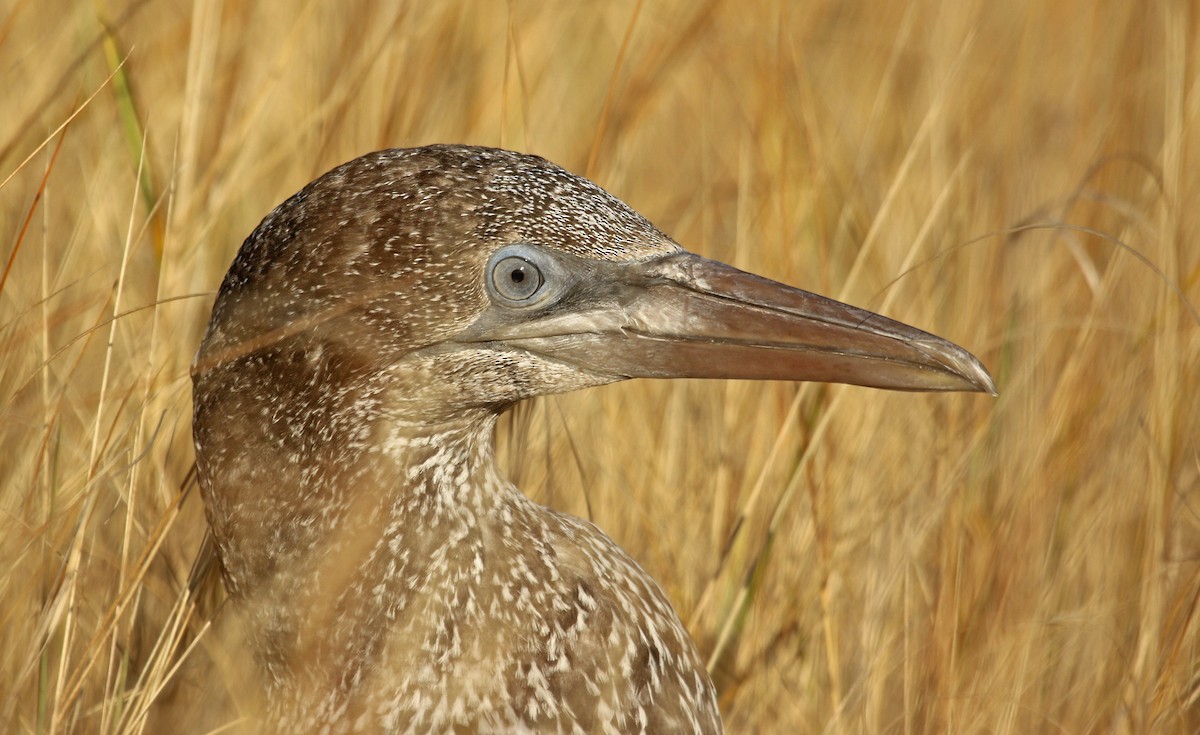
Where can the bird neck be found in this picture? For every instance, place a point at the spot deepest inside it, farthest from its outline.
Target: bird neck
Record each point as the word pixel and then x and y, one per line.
pixel 405 509
pixel 441 470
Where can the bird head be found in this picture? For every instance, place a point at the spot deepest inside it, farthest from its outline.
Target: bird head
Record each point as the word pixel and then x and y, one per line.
pixel 456 277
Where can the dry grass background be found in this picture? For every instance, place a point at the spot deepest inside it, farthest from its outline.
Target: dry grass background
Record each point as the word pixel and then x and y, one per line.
pixel 1021 177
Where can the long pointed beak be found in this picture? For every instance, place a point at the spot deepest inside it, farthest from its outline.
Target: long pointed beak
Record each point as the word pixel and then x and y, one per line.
pixel 683 316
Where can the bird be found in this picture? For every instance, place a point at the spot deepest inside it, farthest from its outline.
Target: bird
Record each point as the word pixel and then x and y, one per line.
pixel 363 343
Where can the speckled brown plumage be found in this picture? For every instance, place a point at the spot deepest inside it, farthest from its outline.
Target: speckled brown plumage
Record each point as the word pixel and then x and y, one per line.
pixel 346 392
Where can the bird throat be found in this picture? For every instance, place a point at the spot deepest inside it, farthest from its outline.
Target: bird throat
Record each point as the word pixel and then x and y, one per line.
pixel 371 546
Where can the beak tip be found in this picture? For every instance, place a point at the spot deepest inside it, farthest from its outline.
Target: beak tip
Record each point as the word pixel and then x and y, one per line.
pixel 989 386
pixel 960 370
pixel 974 373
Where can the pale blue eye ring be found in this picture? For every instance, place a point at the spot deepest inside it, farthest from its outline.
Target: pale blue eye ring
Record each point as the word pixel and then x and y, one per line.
pixel 515 279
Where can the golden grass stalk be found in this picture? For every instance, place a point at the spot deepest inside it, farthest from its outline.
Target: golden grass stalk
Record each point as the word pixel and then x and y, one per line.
pixel 1020 178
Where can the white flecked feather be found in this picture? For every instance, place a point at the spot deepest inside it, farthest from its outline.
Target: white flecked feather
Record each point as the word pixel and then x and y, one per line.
pixel 391 580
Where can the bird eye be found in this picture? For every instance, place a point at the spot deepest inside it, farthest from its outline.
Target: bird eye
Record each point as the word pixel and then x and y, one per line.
pixel 516 279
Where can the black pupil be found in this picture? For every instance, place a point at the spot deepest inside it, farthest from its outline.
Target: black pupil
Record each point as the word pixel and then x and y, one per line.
pixel 518 275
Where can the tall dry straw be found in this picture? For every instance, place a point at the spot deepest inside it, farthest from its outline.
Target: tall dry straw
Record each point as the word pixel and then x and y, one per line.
pixel 1019 177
